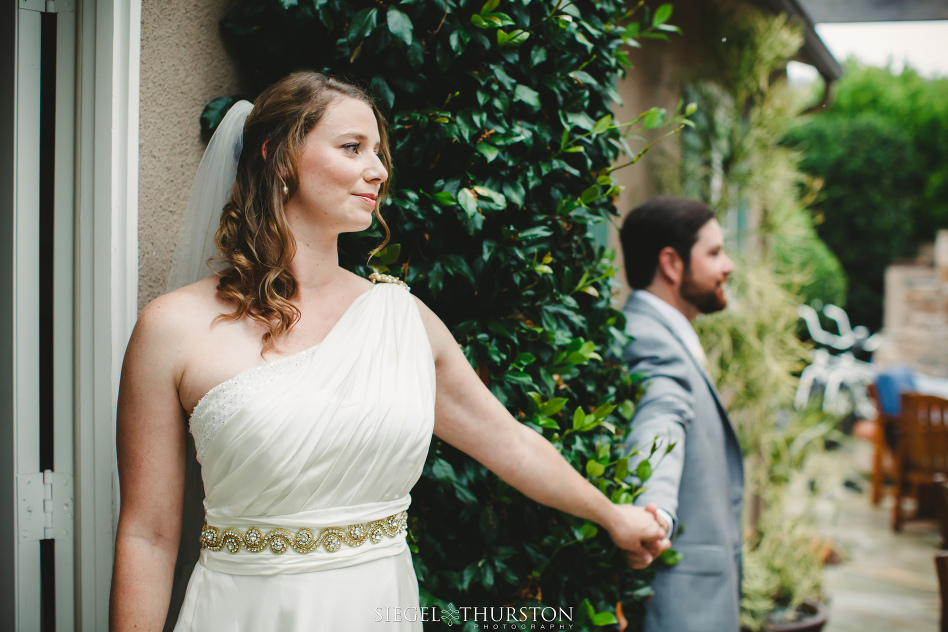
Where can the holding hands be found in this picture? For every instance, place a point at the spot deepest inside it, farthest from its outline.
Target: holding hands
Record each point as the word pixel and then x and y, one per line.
pixel 639 532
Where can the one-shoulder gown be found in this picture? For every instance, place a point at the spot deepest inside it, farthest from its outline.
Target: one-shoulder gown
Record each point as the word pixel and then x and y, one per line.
pixel 334 436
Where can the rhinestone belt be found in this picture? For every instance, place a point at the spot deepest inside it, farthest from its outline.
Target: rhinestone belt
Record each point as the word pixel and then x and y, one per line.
pixel 279 541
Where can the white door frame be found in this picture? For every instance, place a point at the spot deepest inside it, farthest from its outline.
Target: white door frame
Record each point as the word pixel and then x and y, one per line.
pixel 107 278
pixel 96 267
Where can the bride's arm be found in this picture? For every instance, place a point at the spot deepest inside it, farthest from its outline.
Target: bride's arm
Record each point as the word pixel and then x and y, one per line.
pixel 470 418
pixel 150 441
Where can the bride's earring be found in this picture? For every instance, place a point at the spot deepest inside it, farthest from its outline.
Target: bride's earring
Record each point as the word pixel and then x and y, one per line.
pixel 286 189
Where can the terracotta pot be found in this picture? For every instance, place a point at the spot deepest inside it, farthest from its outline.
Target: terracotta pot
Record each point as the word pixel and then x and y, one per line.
pixel 811 618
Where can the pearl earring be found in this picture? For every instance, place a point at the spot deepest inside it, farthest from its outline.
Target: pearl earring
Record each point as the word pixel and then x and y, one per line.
pixel 286 189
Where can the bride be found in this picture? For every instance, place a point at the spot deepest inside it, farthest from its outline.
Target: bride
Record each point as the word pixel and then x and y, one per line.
pixel 311 394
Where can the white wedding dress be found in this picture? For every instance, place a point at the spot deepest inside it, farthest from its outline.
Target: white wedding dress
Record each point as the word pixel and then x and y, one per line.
pixel 334 436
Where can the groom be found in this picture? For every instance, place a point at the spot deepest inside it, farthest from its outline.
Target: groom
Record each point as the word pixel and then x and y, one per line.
pixel 675 262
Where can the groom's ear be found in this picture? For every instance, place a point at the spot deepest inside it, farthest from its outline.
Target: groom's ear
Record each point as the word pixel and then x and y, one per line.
pixel 670 267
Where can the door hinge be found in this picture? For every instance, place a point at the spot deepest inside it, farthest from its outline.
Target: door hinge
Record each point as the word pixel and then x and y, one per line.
pixel 44 506
pixel 60 6
pixel 49 6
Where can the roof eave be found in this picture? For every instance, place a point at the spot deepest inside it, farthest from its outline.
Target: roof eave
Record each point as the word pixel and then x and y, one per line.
pixel 814 51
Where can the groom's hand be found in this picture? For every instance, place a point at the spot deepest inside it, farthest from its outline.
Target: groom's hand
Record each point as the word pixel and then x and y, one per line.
pixel 639 533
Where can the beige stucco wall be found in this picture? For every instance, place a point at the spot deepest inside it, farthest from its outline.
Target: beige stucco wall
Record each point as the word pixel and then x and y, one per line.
pixel 183 66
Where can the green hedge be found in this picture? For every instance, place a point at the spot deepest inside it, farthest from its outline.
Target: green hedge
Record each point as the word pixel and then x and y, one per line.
pixel 502 146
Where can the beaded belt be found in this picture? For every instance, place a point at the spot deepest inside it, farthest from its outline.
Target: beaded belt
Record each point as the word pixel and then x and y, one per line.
pixel 304 540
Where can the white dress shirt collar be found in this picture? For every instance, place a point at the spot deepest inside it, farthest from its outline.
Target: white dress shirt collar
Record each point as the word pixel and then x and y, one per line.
pixel 678 323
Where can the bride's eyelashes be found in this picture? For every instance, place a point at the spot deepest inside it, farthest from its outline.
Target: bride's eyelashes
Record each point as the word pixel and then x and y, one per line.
pixel 355 148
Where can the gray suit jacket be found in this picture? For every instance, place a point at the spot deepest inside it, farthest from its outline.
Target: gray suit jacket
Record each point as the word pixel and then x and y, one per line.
pixel 699 483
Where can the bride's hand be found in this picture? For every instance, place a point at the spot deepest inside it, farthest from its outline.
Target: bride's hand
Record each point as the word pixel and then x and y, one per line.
pixel 640 533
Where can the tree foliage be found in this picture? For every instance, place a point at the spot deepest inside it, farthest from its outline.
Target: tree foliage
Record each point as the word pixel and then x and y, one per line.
pixel 864 208
pixel 503 145
pixel 881 149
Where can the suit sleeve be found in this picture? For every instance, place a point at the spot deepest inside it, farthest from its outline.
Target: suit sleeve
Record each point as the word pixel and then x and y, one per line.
pixel 664 414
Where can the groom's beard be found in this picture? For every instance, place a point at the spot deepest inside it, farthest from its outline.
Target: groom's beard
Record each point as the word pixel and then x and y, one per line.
pixel 706 300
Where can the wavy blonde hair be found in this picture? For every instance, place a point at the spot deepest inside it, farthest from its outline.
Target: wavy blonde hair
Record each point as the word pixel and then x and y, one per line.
pixel 254 238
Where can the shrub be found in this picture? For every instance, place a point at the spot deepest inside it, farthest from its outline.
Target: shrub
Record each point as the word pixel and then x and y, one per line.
pixel 503 143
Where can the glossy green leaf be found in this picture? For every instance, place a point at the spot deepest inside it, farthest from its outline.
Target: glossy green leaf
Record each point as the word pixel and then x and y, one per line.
pixel 488 150
pixel 644 470
pixel 400 25
pixel 604 411
pixel 446 198
pixel 468 201
pixel 590 194
pixel 527 95
pixel 538 232
pixel 215 111
pixel 487 576
pixel 443 471
pixel 389 254
pixel 513 38
pixel 594 468
pixel 654 118
pixel 382 91
pixel 662 14
pixel 553 406
pixel 602 125
pixel 547 422
pixel 583 77
pixel 498 19
pixel 489 6
pixel 362 24
pixel 496 198
pixel 604 618
pixel 670 557
pixel 538 55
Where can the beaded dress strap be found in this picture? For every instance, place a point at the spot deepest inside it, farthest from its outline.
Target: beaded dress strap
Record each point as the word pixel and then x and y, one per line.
pixel 376 277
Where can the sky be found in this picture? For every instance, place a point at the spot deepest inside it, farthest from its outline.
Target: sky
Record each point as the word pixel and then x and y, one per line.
pixel 923 45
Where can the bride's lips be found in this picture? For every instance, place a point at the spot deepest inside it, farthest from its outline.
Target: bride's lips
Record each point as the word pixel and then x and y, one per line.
pixel 368 198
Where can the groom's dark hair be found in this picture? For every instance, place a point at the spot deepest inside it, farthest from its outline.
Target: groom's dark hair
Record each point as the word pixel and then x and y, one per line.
pixel 657 224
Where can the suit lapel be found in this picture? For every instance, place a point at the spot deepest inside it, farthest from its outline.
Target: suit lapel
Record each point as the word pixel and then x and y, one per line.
pixel 644 309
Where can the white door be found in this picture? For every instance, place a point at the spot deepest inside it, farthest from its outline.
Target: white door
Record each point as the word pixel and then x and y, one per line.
pixel 41 328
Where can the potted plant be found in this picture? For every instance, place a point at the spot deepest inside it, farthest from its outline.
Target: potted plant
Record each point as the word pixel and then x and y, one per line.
pixel 783 571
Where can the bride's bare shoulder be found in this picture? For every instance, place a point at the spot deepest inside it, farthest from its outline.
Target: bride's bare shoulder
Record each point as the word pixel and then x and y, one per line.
pixel 177 316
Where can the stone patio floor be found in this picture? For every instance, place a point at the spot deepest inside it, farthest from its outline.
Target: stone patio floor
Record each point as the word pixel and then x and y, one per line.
pixel 887 581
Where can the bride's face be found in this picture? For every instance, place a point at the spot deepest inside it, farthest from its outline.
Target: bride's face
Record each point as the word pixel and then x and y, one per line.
pixel 340 172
